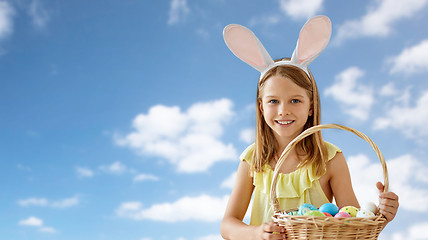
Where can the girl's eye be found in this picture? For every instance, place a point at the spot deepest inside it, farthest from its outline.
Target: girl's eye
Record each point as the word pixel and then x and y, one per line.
pixel 295 101
pixel 273 101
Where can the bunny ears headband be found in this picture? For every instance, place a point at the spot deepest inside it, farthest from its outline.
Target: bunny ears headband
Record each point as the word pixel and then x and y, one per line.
pixel 313 38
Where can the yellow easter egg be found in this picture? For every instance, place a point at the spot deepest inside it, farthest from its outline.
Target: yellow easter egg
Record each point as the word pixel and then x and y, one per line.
pixel 351 210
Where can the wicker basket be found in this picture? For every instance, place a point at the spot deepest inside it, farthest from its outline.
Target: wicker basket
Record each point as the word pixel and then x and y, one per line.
pixel 315 227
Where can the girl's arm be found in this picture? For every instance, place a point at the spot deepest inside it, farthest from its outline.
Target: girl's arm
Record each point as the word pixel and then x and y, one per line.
pixel 231 226
pixel 340 182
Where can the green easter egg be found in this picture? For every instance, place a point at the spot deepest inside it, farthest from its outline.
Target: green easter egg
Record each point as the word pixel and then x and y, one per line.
pixel 314 213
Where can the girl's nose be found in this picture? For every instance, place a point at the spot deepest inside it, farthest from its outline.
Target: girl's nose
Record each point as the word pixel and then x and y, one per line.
pixel 283 110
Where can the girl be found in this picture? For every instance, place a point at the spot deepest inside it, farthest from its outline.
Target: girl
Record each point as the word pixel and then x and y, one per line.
pixel 288 103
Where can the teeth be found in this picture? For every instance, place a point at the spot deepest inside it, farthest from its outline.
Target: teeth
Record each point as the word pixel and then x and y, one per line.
pixel 284 122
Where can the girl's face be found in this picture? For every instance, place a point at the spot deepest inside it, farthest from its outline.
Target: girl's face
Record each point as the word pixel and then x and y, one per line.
pixel 285 107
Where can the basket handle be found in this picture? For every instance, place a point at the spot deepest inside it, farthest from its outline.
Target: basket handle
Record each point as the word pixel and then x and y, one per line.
pixel 310 131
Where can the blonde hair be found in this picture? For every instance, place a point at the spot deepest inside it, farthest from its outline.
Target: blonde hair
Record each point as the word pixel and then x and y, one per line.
pixel 312 147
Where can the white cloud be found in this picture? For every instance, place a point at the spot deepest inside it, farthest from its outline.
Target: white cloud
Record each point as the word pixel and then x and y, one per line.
pixel 211 237
pixel 300 9
pixel 189 140
pixel 32 221
pixel 270 19
pixel 407 175
pixel 6 23
pixel 379 19
pixel 145 177
pixel 202 32
pixel 202 208
pixel 416 231
pixel 178 11
pixel 84 172
pixel 411 120
pixel 411 60
pixel 248 135
pixel 43 202
pixel 355 99
pixel 388 90
pixel 33 202
pixel 114 168
pixel 47 230
pixel 37 222
pixel 38 14
pixel 67 202
pixel 229 182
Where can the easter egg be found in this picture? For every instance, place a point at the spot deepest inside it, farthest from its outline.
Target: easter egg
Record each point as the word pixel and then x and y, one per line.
pixel 306 207
pixel 370 206
pixel 350 209
pixel 293 213
pixel 330 208
pixel 342 215
pixel 314 213
pixel 327 214
pixel 365 214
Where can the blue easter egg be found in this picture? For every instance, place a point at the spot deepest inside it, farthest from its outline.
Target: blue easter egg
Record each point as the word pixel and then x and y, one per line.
pixel 329 208
pixel 306 207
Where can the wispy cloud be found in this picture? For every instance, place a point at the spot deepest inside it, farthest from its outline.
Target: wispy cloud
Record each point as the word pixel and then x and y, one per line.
pixel 300 9
pixel 410 120
pixel 83 172
pixel 43 202
pixel 116 168
pixel 355 98
pixel 270 19
pixel 388 90
pixel 407 177
pixel 417 231
pixel 210 237
pixel 248 135
pixel 178 11
pixel 37 222
pixel 31 221
pixel 190 140
pixel 39 14
pixel 145 177
pixel 6 19
pixel 411 60
pixel 229 182
pixel 378 20
pixel 202 32
pixel 202 208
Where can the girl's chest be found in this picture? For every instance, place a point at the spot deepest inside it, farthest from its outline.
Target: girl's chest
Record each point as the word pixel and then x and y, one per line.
pixel 288 166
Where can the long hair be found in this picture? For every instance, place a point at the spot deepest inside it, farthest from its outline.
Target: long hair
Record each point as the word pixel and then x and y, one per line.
pixel 312 147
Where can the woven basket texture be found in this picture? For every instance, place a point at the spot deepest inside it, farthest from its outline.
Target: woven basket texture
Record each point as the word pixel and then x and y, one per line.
pixel 316 227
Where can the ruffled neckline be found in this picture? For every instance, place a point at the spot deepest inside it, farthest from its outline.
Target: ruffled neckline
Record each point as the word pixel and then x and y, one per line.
pixel 289 185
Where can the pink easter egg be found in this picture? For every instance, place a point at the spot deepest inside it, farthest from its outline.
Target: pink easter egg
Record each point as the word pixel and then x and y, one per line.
pixel 343 215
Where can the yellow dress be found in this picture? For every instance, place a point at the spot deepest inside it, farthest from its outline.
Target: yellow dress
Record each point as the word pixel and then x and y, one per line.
pixel 293 189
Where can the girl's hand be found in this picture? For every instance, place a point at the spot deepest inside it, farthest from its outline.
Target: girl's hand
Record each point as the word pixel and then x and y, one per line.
pixel 270 230
pixel 388 202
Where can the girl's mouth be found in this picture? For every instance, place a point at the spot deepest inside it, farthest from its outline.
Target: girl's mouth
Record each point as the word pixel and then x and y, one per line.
pixel 284 122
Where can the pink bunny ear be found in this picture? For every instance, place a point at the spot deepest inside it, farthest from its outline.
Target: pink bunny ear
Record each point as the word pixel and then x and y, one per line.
pixel 245 45
pixel 313 38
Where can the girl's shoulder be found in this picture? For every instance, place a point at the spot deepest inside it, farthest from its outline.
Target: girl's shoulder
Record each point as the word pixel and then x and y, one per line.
pixel 332 150
pixel 247 154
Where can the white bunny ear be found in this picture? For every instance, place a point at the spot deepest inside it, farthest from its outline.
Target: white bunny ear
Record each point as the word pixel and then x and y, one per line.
pixel 313 38
pixel 245 45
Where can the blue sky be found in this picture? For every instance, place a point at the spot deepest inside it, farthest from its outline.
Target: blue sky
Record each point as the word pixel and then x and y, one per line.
pixel 125 119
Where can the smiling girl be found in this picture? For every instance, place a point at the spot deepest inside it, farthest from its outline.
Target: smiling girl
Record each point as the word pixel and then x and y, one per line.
pixel 315 171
